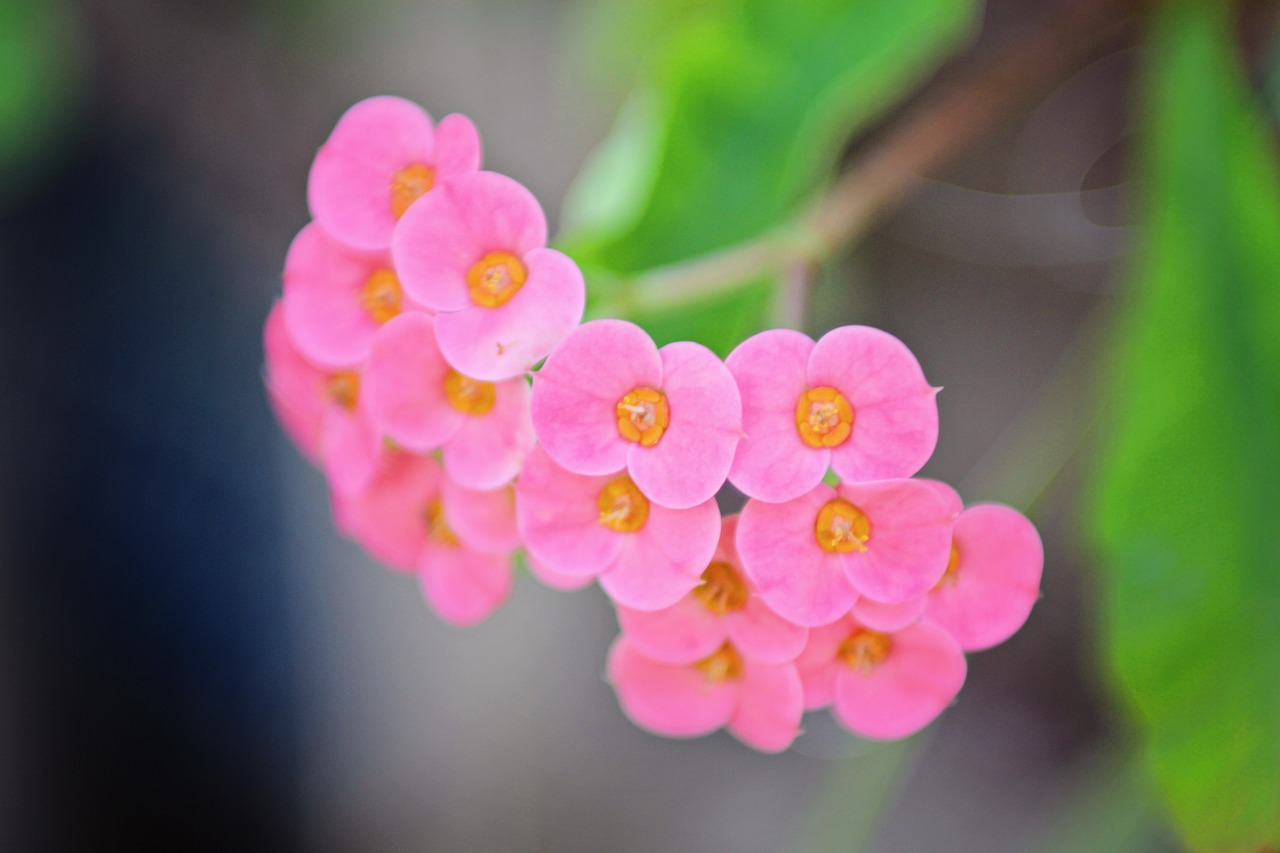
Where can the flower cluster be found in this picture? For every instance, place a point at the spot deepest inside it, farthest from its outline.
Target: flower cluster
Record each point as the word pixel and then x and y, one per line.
pixel 402 358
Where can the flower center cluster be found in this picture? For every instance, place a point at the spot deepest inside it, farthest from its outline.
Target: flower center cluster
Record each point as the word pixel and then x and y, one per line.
pixel 495 278
pixel 824 417
pixel 643 415
pixel 724 664
pixel 841 527
pixel 864 650
pixel 467 395
pixel 722 589
pixel 952 574
pixel 623 507
pixel 343 388
pixel 381 295
pixel 409 184
pixel 437 528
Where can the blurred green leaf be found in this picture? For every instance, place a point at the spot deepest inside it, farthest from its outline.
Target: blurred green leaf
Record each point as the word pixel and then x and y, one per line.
pixel 1189 486
pixel 745 107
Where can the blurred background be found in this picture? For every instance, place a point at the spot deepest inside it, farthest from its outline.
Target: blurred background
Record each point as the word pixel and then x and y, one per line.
pixel 191 654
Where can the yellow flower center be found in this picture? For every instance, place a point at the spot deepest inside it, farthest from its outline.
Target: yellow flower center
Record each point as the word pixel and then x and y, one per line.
pixel 724 664
pixel 952 574
pixel 380 295
pixel 722 589
pixel 841 527
pixel 467 395
pixel 643 415
pixel 408 185
pixel 864 650
pixel 343 388
pixel 495 278
pixel 824 417
pixel 623 507
pixel 437 528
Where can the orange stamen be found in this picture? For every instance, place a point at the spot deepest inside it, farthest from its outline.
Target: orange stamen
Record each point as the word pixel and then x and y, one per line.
pixel 467 395
pixel 437 528
pixel 864 650
pixel 495 278
pixel 623 507
pixel 343 388
pixel 824 417
pixel 841 527
pixel 724 664
pixel 408 185
pixel 381 295
pixel 722 589
pixel 643 416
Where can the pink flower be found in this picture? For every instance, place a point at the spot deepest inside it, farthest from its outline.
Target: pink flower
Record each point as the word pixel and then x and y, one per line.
pixel 608 398
pixel 335 299
pixel 549 577
pixel 761 704
pixel 323 411
pixel 474 251
pixel 882 685
pixel 406 518
pixel 723 608
pixel 992 579
pixel 421 403
pixel 383 155
pixel 855 401
pixel 646 556
pixel 811 557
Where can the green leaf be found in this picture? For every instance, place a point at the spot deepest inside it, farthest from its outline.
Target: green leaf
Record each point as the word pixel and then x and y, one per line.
pixel 745 108
pixel 1189 485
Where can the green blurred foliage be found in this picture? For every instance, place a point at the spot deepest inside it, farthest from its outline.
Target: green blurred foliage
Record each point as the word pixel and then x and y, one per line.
pixel 1189 485
pixel 741 111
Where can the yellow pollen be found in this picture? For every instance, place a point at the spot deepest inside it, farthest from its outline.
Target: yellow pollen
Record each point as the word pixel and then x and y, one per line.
pixel 824 417
pixel 724 664
pixel 643 415
pixel 722 589
pixel 380 295
pixel 841 527
pixel 408 185
pixel 952 574
pixel 623 507
pixel 495 278
pixel 437 528
pixel 467 395
pixel 343 388
pixel 864 650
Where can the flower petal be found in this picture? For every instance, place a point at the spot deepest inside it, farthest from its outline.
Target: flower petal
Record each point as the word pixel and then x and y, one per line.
pixel 488 450
pixel 403 385
pixel 461 585
pixel 676 701
pixel 910 539
pixel 559 518
pixel 770 705
pixel 685 632
pixel 485 520
pixel 662 561
pixel 458 148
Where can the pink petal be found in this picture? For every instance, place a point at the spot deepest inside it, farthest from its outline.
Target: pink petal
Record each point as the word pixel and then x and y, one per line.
pixel 488 450
pixel 457 146
pixel 690 462
pixel 889 617
pixel 559 518
pixel 450 229
pixel 763 635
pixel 904 693
pixel 351 447
pixel 550 577
pixel 462 585
pixel 294 386
pixel 895 411
pixel 499 343
pixel 949 496
pixel 388 518
pixel 910 539
pixel 349 189
pixel 685 632
pixel 770 705
pixel 793 575
pixel 997 580
pixel 662 561
pixel 817 664
pixel 576 393
pixel 772 463
pixel 485 521
pixel 403 385
pixel 676 701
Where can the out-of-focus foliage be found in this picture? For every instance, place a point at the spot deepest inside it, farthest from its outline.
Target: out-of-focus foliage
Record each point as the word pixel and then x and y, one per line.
pixel 38 75
pixel 1189 487
pixel 742 109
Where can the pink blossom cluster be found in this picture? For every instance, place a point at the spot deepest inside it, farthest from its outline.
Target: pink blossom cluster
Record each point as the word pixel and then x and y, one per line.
pixel 404 359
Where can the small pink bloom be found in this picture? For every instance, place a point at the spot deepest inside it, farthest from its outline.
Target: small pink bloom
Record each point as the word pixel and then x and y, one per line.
pixel 723 608
pixel 811 557
pixel 646 556
pixel 760 704
pixel 323 411
pixel 608 398
pixel 383 155
pixel 855 401
pixel 335 299
pixel 882 685
pixel 992 580
pixel 421 403
pixel 474 251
